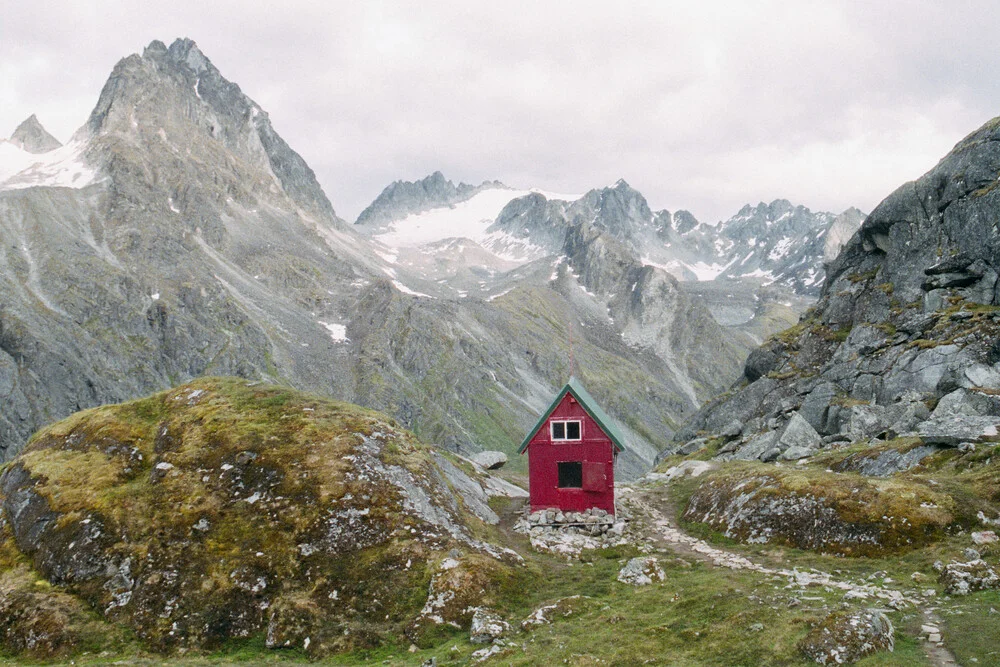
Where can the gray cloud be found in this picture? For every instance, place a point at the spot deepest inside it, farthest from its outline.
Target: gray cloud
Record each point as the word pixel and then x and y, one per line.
pixel 829 104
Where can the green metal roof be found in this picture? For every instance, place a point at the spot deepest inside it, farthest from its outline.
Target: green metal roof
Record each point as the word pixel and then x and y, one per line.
pixel 589 404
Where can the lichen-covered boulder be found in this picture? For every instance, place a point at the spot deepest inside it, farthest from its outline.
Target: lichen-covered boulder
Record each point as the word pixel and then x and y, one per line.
pixel 223 509
pixel 487 626
pixel 846 637
pixel 460 585
pixel 641 571
pixel 826 512
pixel 964 578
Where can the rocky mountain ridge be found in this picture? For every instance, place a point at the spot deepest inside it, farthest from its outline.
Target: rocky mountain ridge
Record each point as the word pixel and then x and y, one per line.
pixel 176 235
pixel 902 342
pixel 402 198
pixel 774 244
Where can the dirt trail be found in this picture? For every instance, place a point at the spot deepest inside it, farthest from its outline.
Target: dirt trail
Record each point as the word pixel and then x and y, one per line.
pixel 654 504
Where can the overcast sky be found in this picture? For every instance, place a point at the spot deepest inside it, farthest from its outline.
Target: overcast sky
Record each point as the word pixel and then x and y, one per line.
pixel 703 106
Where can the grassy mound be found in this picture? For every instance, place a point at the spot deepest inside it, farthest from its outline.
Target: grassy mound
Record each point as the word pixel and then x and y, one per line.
pixel 222 509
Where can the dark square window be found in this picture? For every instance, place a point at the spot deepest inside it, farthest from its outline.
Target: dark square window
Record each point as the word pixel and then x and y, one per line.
pixel 570 475
pixel 565 430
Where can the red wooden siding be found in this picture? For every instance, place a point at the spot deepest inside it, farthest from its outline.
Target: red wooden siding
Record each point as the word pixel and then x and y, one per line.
pixel 595 450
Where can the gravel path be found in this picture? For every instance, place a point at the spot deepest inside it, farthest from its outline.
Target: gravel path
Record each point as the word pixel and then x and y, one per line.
pixel 649 500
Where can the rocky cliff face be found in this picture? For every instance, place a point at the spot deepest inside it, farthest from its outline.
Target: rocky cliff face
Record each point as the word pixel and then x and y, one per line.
pixel 903 338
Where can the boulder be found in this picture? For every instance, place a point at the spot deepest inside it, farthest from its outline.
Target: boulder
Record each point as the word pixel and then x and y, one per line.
pixel 763 360
pixel 799 434
pixel 732 430
pixel 490 460
pixel 956 429
pixel 958 402
pixel 964 578
pixel 885 463
pixel 980 375
pixel 907 418
pixel 795 453
pixel 924 371
pixel 866 421
pixel 846 637
pixel 487 626
pixel 984 537
pixel 771 455
pixel 816 405
pixel 753 449
pixel 691 446
pixel 641 571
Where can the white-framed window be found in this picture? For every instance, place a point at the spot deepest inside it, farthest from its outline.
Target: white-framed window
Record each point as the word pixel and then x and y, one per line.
pixel 569 429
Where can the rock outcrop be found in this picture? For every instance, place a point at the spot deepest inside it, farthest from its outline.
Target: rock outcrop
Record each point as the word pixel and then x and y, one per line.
pixel 845 637
pixel 821 511
pixel 225 509
pixel 908 316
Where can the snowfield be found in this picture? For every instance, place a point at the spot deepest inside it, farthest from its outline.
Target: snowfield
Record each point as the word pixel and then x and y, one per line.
pixel 469 219
pixel 61 168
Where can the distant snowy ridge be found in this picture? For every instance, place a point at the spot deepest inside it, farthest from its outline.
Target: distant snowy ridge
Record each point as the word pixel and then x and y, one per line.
pixel 778 243
pixel 469 219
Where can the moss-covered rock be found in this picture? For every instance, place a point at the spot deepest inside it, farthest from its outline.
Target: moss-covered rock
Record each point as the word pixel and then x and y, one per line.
pixel 222 509
pixel 42 623
pixel 809 509
pixel 846 637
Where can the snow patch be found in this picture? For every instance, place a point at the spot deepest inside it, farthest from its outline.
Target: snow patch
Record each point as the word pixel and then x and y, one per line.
pixel 497 296
pixel 338 332
pixel 780 249
pixel 406 290
pixel 702 270
pixel 465 220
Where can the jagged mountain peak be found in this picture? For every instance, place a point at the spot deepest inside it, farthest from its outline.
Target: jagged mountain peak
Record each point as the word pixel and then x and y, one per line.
pixel 402 198
pixel 32 137
pixel 620 198
pixel 174 99
pixel 683 221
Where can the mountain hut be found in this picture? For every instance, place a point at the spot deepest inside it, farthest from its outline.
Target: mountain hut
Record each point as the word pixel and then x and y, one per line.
pixel 571 454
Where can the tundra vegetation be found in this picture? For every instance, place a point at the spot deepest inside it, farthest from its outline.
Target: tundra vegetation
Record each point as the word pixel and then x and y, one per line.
pixel 229 553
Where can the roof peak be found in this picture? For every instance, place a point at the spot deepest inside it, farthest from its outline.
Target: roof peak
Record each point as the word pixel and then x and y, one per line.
pixel 575 387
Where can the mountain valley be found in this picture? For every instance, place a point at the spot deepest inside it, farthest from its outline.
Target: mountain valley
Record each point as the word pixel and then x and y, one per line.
pixel 235 427
pixel 177 235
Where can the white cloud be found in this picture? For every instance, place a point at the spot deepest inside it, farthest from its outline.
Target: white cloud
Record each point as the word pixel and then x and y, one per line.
pixel 828 104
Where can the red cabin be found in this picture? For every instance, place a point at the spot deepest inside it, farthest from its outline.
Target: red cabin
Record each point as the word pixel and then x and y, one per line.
pixel 571 454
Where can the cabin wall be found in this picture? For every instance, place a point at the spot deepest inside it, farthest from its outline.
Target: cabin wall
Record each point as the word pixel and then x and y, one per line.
pixel 544 455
